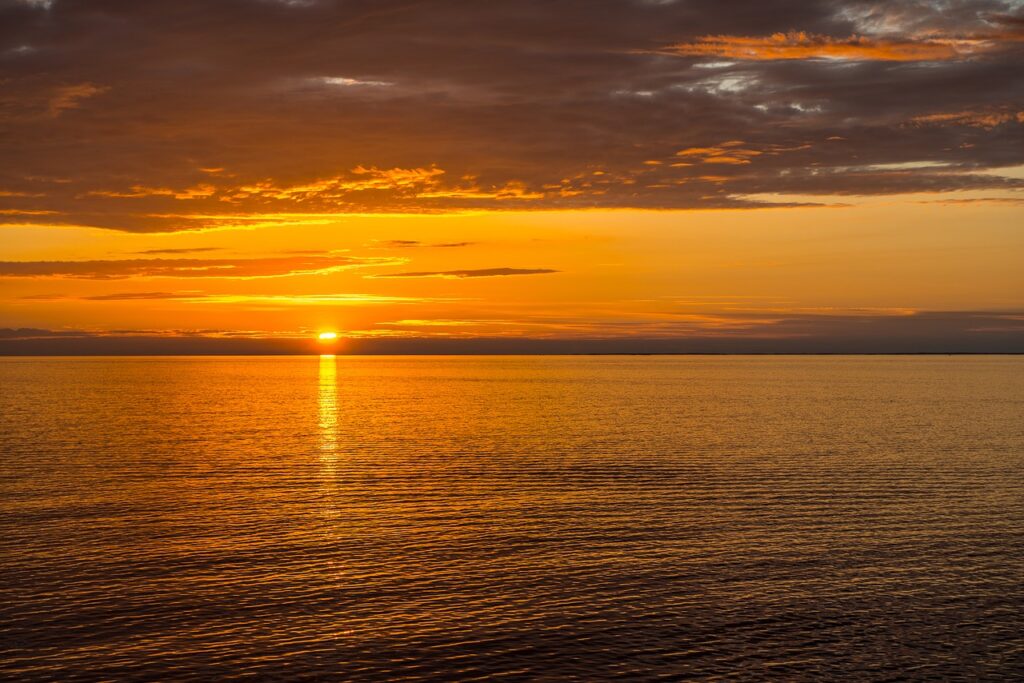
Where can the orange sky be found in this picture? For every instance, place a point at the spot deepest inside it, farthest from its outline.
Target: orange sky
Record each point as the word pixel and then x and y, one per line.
pixel 598 273
pixel 715 183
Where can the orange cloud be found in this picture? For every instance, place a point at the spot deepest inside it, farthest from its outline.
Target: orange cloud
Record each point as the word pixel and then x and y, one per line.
pixel 422 183
pixel 197 192
pixel 194 297
pixel 69 97
pixel 802 45
pixel 187 267
pixel 726 160
pixel 986 119
pixel 360 179
pixel 408 244
pixel 726 153
pixel 510 190
pixel 16 193
pixel 479 272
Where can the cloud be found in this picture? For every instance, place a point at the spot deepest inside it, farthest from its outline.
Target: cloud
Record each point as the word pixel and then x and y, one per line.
pixel 137 296
pixel 341 81
pixel 749 332
pixel 28 212
pixel 480 272
pixel 731 153
pixel 38 4
pixel 410 244
pixel 987 119
pixel 1010 201
pixel 439 322
pixel 443 107
pixel 185 268
pixel 281 300
pixel 180 250
pixel 392 184
pixel 199 191
pixel 71 96
pixel 13 193
pixel 359 179
pixel 802 45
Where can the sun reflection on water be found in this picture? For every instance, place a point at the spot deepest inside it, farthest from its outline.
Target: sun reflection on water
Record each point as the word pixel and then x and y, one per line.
pixel 328 406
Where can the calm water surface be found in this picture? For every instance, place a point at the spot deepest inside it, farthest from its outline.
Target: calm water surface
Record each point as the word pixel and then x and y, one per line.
pixel 565 518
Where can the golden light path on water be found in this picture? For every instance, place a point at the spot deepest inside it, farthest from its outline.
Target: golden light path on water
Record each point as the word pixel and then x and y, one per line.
pixel 327 404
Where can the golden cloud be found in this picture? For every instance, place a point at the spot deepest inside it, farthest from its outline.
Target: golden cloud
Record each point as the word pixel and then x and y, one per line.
pixel 245 268
pixel 987 119
pixel 70 97
pixel 803 45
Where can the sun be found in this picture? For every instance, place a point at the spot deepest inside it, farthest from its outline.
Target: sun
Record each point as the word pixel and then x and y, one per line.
pixel 327 336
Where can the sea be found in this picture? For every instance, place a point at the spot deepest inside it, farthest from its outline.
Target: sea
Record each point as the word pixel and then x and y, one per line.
pixel 558 518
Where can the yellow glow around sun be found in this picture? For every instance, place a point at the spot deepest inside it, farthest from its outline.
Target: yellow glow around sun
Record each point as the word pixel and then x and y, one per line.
pixel 327 336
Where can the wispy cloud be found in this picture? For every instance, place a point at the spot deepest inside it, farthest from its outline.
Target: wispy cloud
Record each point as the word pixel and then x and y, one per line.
pixel 186 268
pixel 985 118
pixel 803 45
pixel 331 299
pixel 343 82
pixel 136 191
pixel 71 96
pixel 180 250
pixel 461 274
pixel 411 244
pixel 137 296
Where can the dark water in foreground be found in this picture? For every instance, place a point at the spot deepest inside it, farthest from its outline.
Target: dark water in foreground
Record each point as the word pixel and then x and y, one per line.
pixel 518 518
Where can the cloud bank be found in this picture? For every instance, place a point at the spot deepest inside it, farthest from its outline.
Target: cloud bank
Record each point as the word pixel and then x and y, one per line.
pixel 921 332
pixel 444 106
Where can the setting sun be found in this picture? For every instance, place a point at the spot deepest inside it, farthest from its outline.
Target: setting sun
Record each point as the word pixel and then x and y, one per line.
pixel 327 336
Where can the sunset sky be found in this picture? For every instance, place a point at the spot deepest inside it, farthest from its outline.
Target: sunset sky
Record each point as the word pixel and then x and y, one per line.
pixel 637 175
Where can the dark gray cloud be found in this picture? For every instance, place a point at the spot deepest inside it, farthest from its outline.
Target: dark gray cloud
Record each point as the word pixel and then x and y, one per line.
pixel 154 116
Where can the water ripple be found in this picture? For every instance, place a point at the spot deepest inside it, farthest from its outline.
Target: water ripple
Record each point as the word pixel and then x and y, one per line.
pixel 497 518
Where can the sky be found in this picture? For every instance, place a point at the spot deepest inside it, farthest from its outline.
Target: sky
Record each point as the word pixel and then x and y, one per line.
pixel 511 176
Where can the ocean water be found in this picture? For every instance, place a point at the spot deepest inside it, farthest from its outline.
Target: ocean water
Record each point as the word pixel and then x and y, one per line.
pixel 512 518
